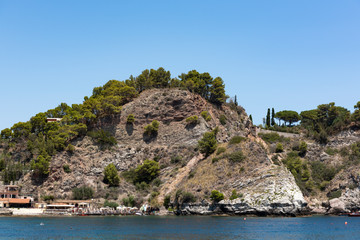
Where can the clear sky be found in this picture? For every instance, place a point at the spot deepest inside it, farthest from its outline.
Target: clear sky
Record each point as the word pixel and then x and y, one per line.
pixel 290 55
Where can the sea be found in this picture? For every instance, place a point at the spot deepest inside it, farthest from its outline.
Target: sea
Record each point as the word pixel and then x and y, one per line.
pixel 180 227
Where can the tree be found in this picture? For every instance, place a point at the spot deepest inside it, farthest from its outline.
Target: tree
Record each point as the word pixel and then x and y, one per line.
pixel 251 118
pixel 82 193
pixel 111 175
pixel 208 143
pixel 216 196
pixel 288 116
pixel 235 101
pixel 356 115
pixel 6 134
pixel 268 118
pixel 272 117
pixel 217 91
pixel 147 171
pixel 130 119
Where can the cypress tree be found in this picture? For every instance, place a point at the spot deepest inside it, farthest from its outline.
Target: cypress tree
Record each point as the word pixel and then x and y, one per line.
pixel 250 118
pixel 272 117
pixel 235 101
pixel 268 118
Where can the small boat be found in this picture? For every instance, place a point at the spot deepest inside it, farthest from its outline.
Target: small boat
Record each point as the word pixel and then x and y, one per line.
pixel 354 214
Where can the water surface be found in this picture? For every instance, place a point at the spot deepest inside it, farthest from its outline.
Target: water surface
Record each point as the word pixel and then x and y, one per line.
pixel 172 227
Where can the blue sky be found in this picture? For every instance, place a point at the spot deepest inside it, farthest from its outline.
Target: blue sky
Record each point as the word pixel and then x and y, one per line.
pixel 291 55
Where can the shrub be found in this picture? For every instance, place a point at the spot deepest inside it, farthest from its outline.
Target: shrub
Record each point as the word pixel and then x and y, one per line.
pixel 130 119
pixel 193 120
pixel 129 201
pixel 70 148
pixel 222 119
pixel 83 193
pixel 302 148
pixel 236 140
pixel 237 156
pixel 143 186
pixel 273 137
pixel 176 159
pixel 184 197
pixel 166 201
pixel 208 143
pixel 157 182
pixel 66 168
pixel 111 175
pixel 147 171
pixel 279 148
pixel 102 137
pixel 220 150
pixel 206 115
pixel 216 196
pixel 152 129
pixel 234 195
pixel 275 160
pixel 113 205
pixel 334 194
pixel 331 151
pixel 48 198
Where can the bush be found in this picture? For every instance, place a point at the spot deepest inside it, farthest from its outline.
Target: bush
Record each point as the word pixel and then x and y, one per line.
pixel 208 143
pixel 167 201
pixel 222 119
pixel 143 186
pixel 66 168
pixel 302 148
pixel 216 196
pixel 130 119
pixel 83 193
pixel 111 175
pixel 147 171
pixel 193 120
pixel 70 148
pixel 157 182
pixel 175 159
pixel 129 201
pixel 103 138
pixel 220 150
pixel 206 115
pixel 236 140
pixel 279 148
pixel 184 197
pixel 237 156
pixel 113 205
pixel 152 129
pixel 234 195
pixel 334 194
pixel 331 151
pixel 48 198
pixel 273 137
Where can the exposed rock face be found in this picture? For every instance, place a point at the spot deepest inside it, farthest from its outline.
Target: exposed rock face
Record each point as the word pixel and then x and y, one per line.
pixel 273 193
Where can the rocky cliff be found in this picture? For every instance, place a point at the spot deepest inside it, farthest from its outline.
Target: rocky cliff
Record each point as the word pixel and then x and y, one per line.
pixel 263 188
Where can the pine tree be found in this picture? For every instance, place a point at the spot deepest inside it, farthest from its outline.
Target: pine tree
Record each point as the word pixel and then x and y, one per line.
pixel 272 117
pixel 268 118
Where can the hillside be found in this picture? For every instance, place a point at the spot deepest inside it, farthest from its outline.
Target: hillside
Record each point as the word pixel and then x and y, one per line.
pixel 177 144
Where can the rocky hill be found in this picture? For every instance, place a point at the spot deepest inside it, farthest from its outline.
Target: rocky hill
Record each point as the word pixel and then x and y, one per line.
pixel 243 172
pixel 241 162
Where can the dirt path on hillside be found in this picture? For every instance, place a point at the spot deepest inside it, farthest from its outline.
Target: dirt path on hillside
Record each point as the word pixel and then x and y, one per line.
pixel 171 185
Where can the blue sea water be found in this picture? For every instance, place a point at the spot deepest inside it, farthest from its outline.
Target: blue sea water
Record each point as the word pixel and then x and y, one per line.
pixel 172 227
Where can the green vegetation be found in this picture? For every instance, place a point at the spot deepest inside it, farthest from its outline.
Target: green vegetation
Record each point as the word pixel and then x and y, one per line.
pixel 216 196
pixel 129 201
pixel 334 194
pixel 236 157
pixel 267 124
pixel 193 120
pixel 208 143
pixel 220 150
pixel 130 119
pixel 287 116
pixel 222 119
pixel 279 148
pixel 166 201
pixel 236 140
pixel 206 115
pixel 184 197
pixel 111 175
pixel 48 198
pixel 273 137
pixel 113 205
pixel 103 138
pixel 66 168
pixel 83 193
pixel 235 195
pixel 152 129
pixel 143 174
